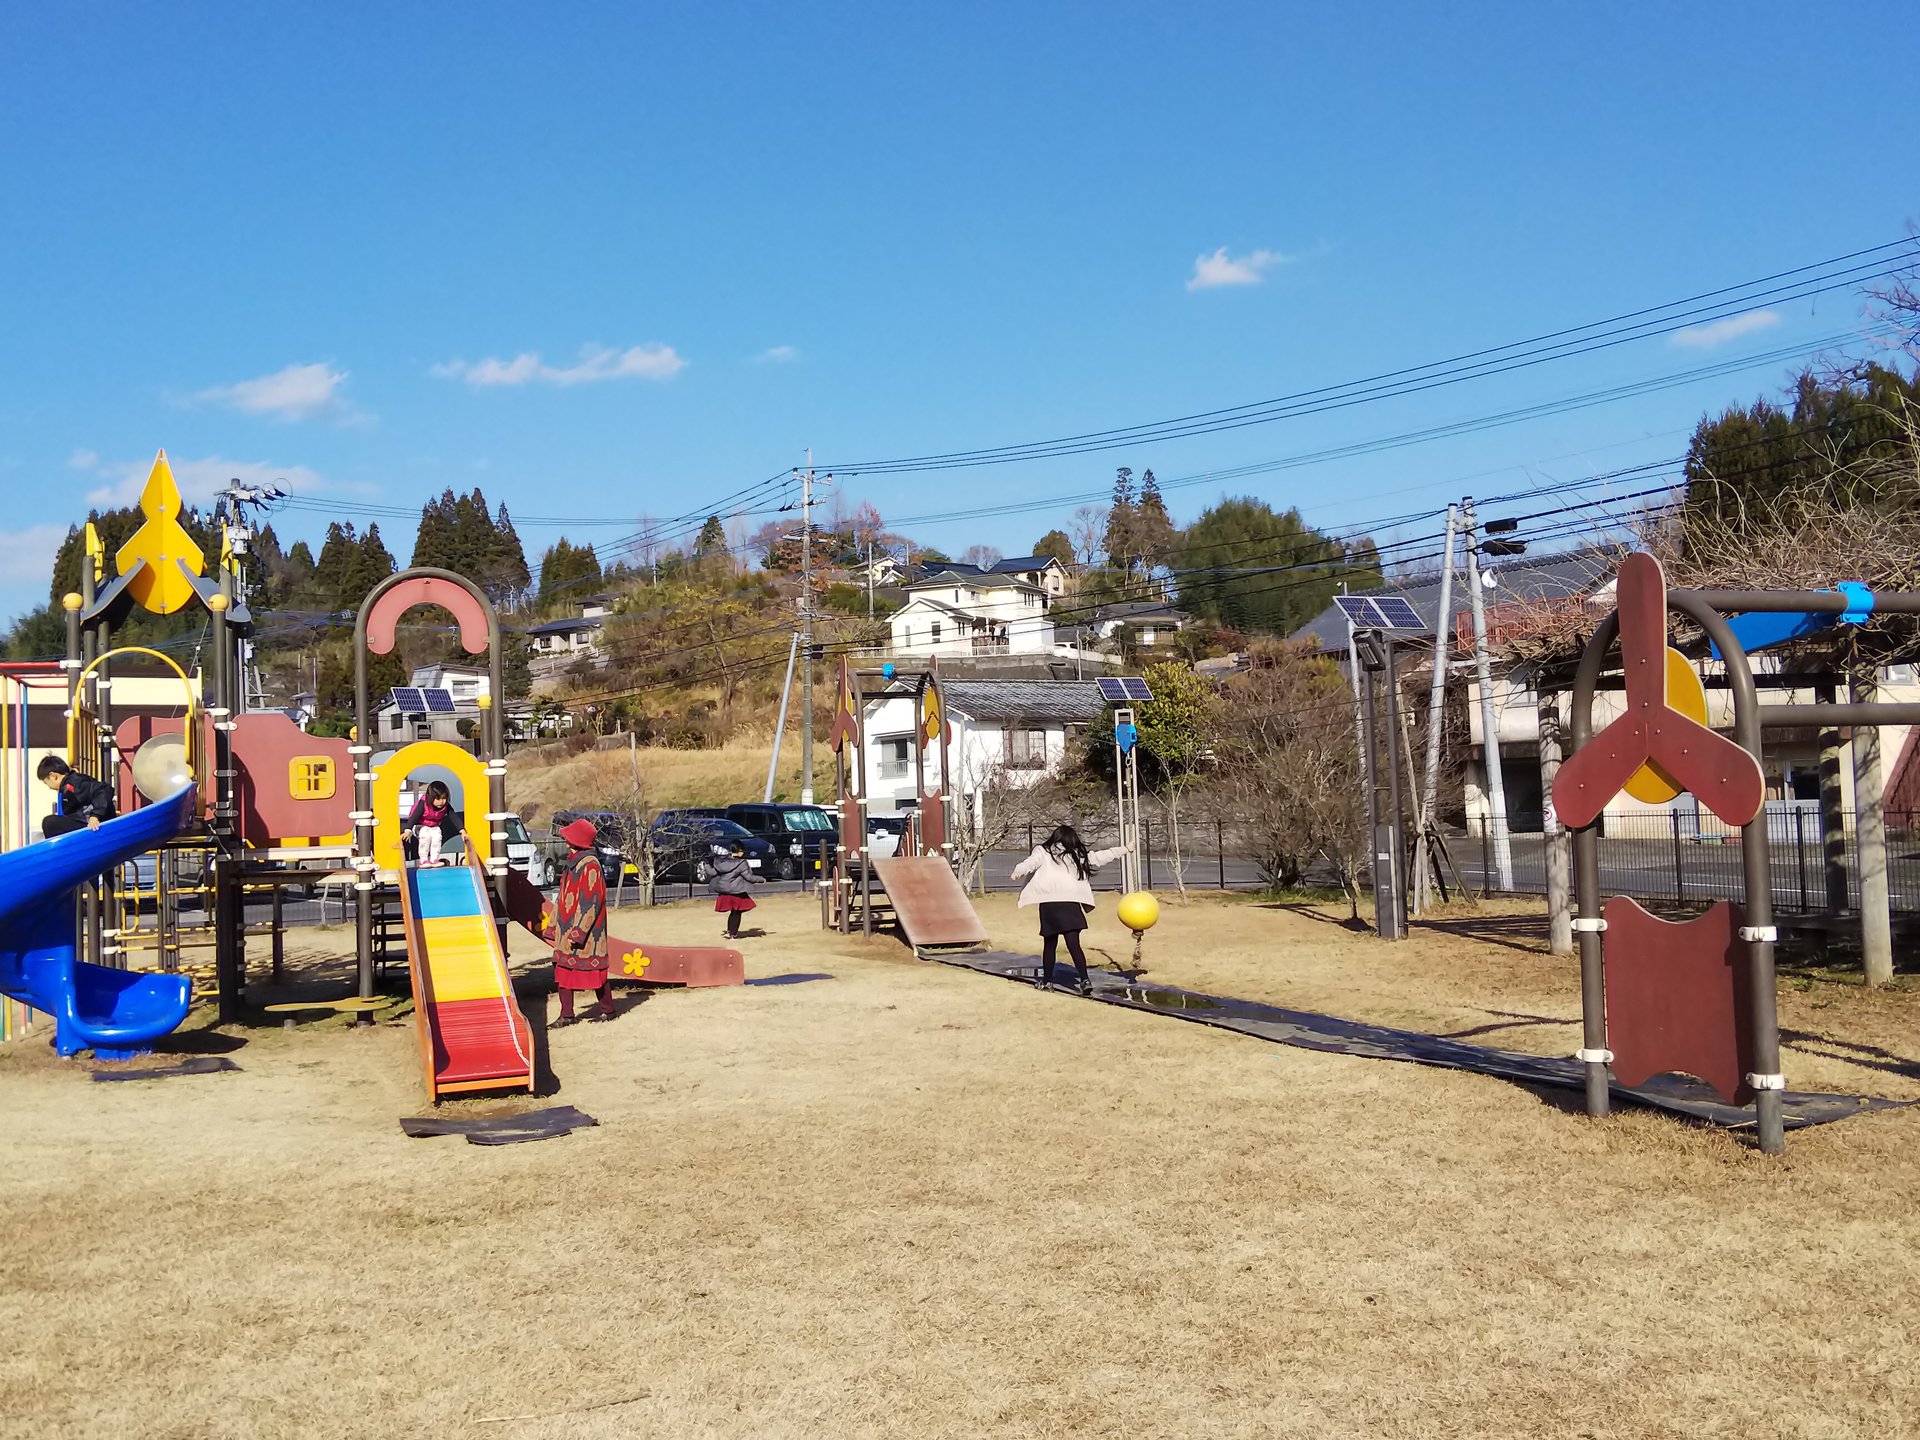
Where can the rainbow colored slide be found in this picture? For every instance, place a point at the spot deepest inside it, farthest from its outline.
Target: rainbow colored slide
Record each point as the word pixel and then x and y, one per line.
pixel 472 1034
pixel 117 1014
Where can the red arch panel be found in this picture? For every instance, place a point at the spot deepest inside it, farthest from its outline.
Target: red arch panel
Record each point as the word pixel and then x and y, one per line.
pixel 385 615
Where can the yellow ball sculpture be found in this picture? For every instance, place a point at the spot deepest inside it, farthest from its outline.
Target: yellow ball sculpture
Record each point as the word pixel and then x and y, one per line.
pixel 1138 911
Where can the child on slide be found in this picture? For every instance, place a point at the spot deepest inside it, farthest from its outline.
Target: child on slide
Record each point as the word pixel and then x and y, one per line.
pixel 1060 867
pixel 428 820
pixel 732 881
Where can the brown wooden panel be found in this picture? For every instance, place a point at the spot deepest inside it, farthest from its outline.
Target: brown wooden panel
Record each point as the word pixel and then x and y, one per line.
pixel 1678 997
pixel 927 899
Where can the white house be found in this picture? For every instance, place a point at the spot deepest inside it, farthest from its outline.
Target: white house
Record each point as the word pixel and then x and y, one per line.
pixel 955 613
pixel 1016 731
pixel 1153 622
pixel 395 724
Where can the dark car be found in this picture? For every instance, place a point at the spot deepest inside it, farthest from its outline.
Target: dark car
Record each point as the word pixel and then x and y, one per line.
pixel 684 842
pixel 610 828
pixel 802 836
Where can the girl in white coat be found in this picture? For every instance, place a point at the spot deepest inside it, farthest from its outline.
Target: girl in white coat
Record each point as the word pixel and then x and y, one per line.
pixel 1060 867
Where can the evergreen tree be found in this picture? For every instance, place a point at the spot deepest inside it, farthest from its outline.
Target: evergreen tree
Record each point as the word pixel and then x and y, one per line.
pixel 712 541
pixel 1154 535
pixel 1121 522
pixel 1056 544
pixel 1252 568
pixel 509 572
pixel 568 572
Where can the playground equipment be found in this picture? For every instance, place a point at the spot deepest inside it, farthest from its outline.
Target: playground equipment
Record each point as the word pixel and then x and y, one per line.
pixel 268 806
pixel 1695 996
pixel 915 890
pixel 114 1013
pixel 472 1034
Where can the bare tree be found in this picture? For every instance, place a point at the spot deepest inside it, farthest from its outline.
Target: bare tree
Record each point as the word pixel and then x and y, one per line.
pixel 1088 532
pixel 1290 764
pixel 985 556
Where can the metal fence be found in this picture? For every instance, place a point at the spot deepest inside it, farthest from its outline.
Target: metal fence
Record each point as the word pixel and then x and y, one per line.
pixel 1672 856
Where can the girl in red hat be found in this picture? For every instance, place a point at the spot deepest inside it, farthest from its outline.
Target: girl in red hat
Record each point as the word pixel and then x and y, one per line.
pixel 580 932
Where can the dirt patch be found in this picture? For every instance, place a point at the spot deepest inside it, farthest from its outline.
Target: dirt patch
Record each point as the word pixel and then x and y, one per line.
pixel 914 1201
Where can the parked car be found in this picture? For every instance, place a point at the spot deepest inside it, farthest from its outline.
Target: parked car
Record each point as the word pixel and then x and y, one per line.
pixel 684 842
pixel 884 834
pixel 611 828
pixel 803 837
pixel 526 856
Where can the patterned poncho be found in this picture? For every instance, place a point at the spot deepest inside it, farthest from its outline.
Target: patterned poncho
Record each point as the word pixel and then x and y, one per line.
pixel 580 929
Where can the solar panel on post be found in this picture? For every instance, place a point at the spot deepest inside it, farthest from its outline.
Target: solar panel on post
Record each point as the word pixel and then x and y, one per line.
pixel 1112 690
pixel 439 702
pixel 1398 614
pixel 1360 612
pixel 406 699
pixel 1137 689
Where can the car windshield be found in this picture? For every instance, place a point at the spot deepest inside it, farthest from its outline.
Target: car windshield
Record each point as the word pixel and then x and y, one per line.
pixel 808 820
pixel 517 833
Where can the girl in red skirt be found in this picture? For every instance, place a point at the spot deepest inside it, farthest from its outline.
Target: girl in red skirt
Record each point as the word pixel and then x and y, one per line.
pixel 732 881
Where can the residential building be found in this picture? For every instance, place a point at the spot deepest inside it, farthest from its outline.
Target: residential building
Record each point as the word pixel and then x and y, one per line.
pixel 1013 732
pixel 1151 622
pixel 957 613
pixel 395 725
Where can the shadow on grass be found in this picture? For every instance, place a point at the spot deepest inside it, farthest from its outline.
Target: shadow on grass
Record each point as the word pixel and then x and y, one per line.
pixel 1516 1020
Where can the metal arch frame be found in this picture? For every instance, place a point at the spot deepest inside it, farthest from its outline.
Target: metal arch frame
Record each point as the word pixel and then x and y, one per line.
pixel 1763 1019
pixel 365 864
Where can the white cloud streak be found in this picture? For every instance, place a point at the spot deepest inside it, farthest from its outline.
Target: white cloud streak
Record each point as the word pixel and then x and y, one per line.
pixel 1719 332
pixel 1210 272
pixel 82 460
pixel 777 355
pixel 299 392
pixel 596 363
pixel 26 556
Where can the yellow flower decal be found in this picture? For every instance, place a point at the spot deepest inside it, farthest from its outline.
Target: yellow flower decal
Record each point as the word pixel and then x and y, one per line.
pixel 636 964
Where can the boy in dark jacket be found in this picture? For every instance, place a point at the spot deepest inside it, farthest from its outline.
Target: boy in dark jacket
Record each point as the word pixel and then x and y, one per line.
pixel 82 803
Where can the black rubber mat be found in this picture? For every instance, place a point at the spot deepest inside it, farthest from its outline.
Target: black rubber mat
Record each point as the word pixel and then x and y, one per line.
pixel 1678 1094
pixel 193 1065
pixel 501 1129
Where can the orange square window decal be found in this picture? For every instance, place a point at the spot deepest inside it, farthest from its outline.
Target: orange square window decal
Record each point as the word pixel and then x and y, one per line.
pixel 310 777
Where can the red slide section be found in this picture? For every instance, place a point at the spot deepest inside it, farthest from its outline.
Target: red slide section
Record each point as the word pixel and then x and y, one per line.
pixel 627 963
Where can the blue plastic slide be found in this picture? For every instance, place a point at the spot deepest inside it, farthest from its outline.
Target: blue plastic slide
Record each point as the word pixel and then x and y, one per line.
pixel 114 1013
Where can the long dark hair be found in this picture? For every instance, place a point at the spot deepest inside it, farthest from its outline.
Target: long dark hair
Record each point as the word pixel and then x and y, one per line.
pixel 1065 844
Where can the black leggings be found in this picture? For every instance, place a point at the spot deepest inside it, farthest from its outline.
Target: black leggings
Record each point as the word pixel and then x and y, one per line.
pixel 1049 943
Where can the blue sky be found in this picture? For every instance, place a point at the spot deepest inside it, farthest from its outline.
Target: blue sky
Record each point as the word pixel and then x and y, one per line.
pixel 609 260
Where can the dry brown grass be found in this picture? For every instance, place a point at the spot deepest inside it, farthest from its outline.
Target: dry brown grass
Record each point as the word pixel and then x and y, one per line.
pixel 913 1201
pixel 726 776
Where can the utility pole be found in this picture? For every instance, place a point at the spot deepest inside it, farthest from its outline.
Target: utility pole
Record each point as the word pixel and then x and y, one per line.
pixel 1425 816
pixel 1489 721
pixel 806 629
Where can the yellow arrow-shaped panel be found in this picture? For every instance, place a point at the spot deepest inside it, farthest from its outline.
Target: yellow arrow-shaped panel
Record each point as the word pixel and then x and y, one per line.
pixel 157 550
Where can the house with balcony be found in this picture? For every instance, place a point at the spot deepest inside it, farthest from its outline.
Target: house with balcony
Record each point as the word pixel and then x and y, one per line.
pixel 1005 732
pixel 956 613
pixel 1150 622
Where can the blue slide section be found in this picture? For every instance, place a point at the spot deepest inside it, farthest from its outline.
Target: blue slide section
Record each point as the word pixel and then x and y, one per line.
pixel 114 1013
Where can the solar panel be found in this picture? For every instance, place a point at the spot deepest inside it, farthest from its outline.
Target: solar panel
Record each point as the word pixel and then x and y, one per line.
pixel 1398 613
pixel 406 699
pixel 1116 688
pixel 1361 612
pixel 439 702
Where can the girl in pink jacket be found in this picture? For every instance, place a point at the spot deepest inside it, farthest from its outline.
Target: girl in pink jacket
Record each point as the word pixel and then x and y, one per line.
pixel 1060 867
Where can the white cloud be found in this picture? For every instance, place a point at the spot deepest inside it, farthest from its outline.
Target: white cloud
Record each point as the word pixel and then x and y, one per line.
pixel 26 556
pixel 1220 268
pixel 776 355
pixel 199 480
pixel 299 392
pixel 1719 332
pixel 597 362
pixel 82 460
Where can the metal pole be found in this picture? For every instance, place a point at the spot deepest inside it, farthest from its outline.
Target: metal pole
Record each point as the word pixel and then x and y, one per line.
pixel 1369 769
pixel 1489 722
pixel 1436 715
pixel 1679 861
pixel 1559 854
pixel 1594 1054
pixel 1396 874
pixel 780 730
